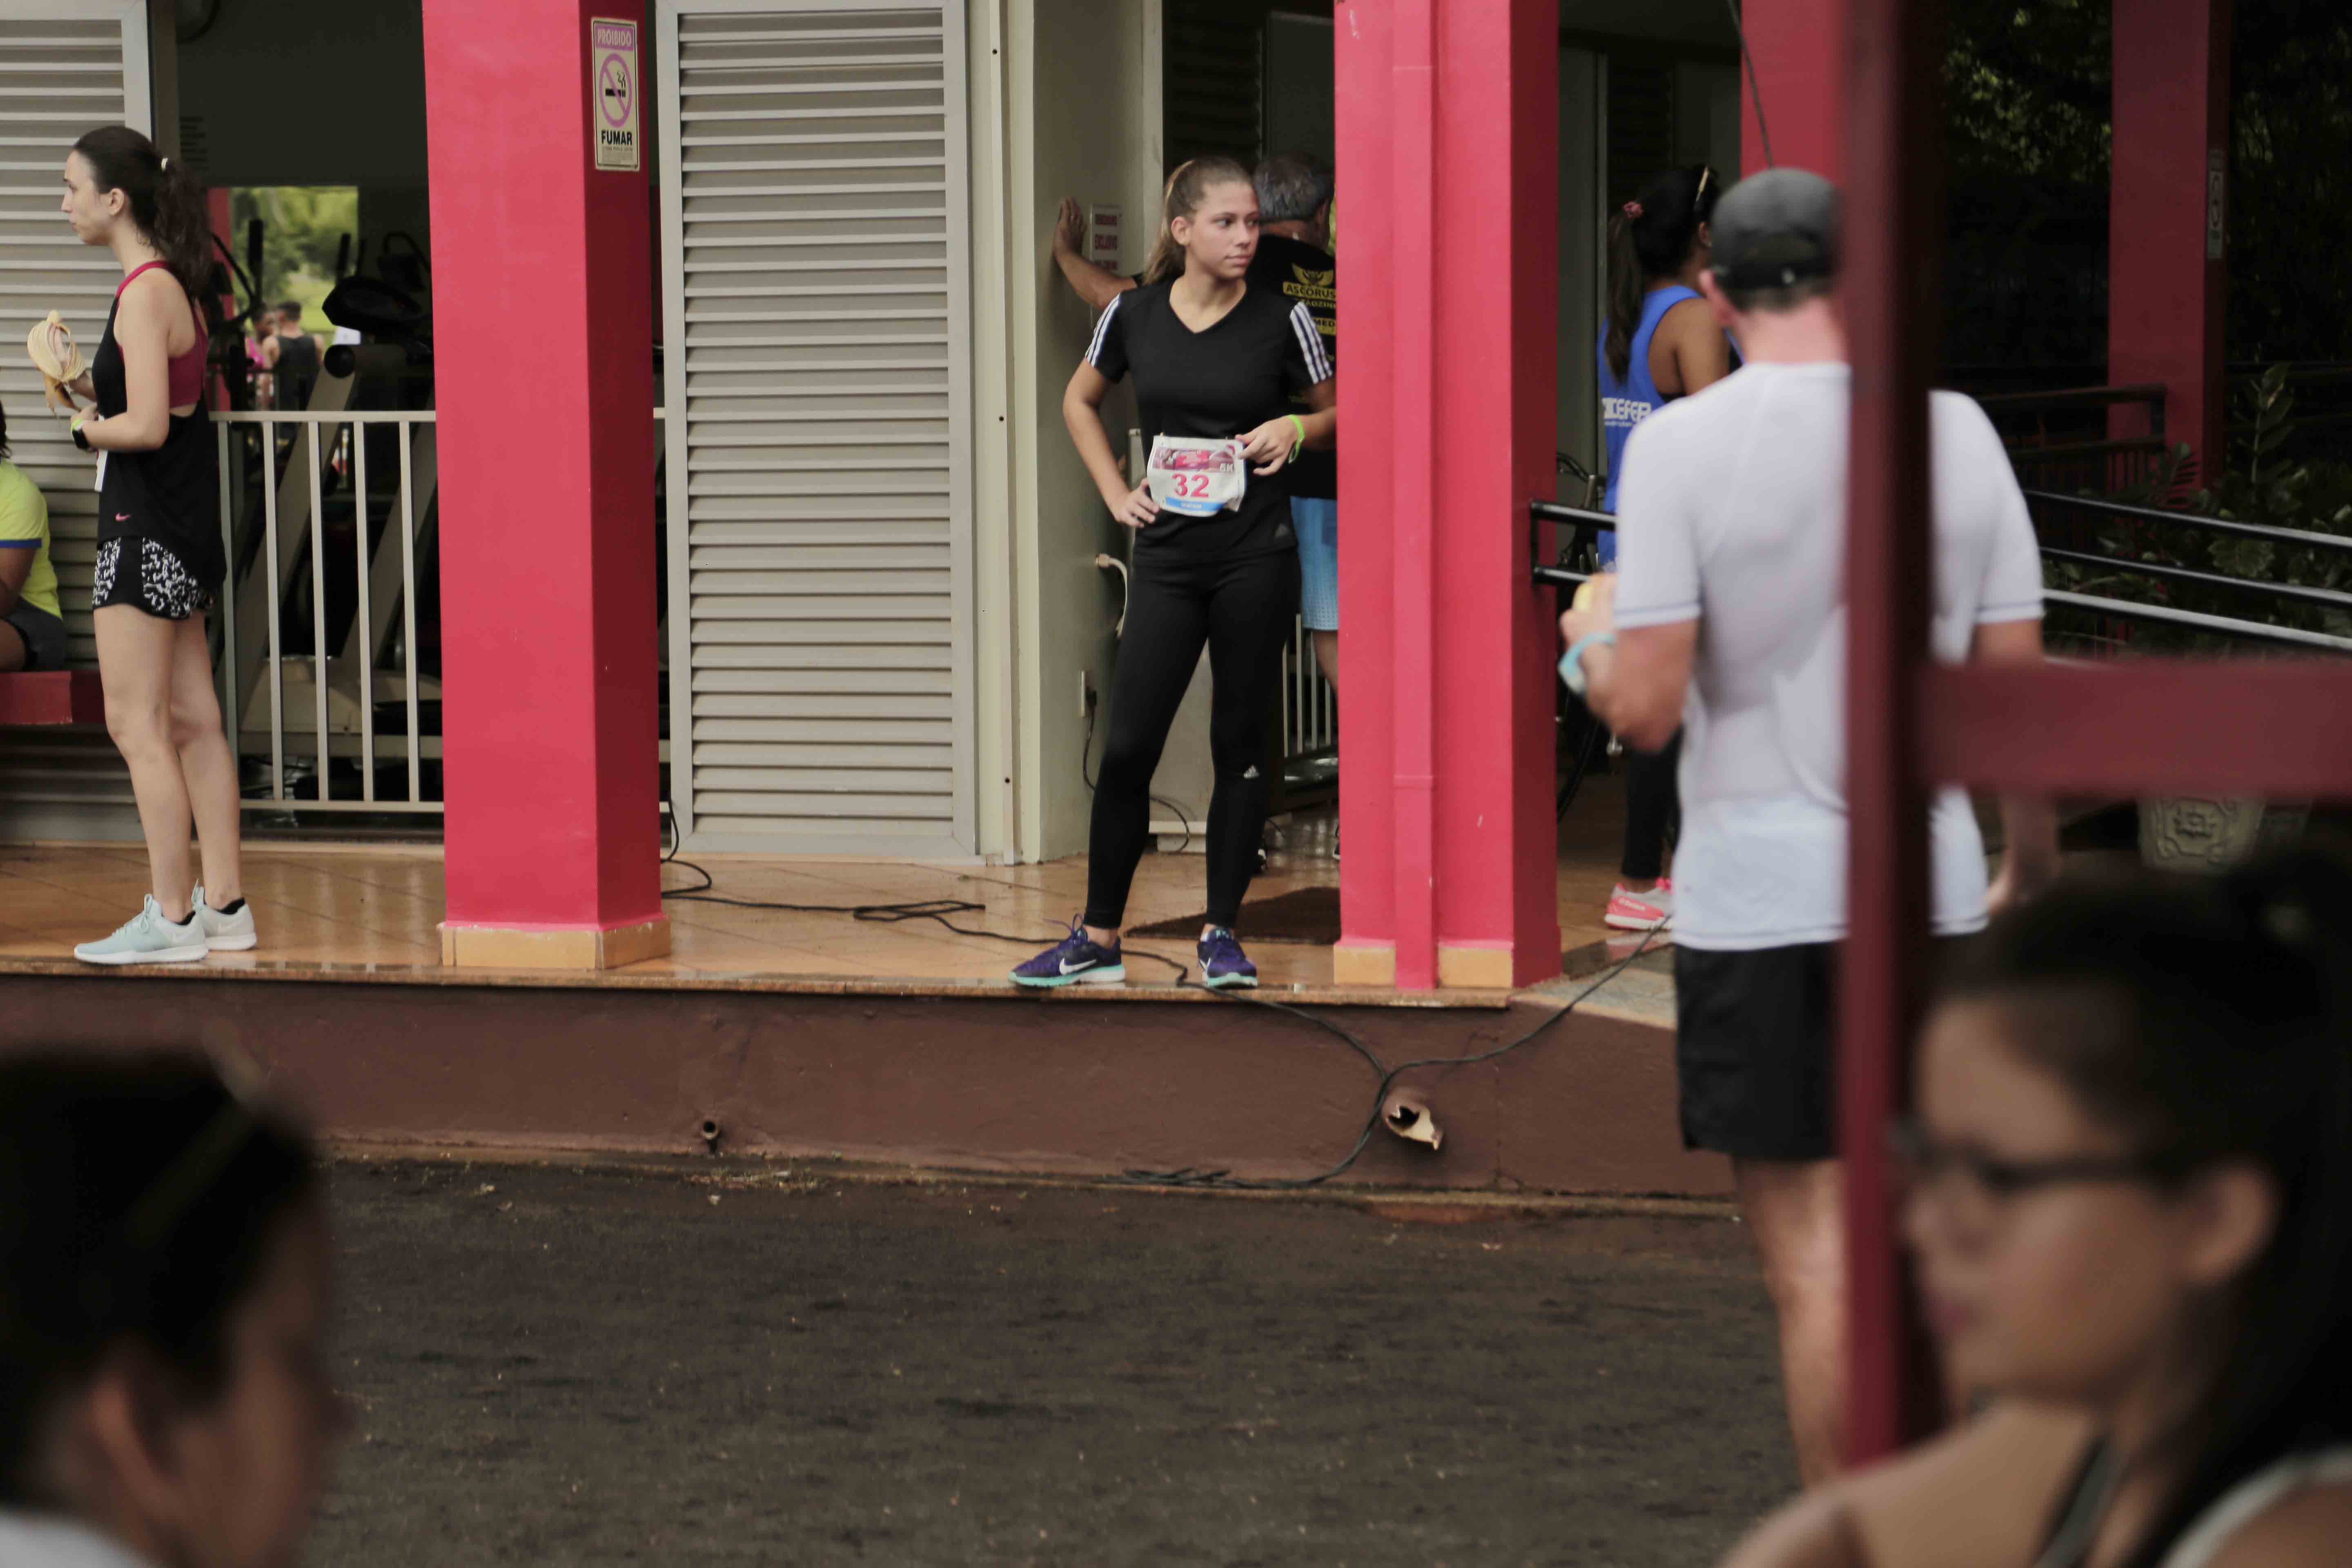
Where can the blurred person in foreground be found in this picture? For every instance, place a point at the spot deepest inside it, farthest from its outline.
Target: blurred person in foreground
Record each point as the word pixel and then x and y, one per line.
pixel 164 1399
pixel 2130 1200
pixel 1728 618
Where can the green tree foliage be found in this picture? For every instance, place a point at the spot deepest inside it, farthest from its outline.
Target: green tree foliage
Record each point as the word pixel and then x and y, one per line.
pixel 2028 91
pixel 301 227
pixel 2291 170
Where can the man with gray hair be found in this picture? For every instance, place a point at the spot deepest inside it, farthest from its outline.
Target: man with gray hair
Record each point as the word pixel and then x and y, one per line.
pixel 1294 256
pixel 1293 259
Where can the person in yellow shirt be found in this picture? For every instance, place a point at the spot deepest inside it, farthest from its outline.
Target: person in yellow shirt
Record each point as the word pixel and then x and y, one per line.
pixel 32 633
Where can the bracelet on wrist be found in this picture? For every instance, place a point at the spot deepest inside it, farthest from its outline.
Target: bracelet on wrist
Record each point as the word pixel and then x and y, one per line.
pixel 1572 663
pixel 1299 425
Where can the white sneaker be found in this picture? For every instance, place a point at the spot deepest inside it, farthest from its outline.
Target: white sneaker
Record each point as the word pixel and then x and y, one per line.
pixel 148 937
pixel 225 933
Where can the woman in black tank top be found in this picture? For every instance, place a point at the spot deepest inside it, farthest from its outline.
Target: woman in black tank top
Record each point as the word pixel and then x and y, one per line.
pixel 160 562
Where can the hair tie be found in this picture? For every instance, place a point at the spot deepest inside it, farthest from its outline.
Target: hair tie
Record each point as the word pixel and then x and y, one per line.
pixel 1632 209
pixel 164 165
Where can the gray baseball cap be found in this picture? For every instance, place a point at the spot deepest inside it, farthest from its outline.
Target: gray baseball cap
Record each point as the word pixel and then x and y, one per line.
pixel 1775 229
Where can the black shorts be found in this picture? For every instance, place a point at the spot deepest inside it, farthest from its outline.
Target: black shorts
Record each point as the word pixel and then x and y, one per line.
pixel 46 645
pixel 148 575
pixel 1755 1049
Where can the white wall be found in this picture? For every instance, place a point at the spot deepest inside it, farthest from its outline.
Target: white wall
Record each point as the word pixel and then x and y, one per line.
pixel 1707 115
pixel 1581 238
pixel 1084 121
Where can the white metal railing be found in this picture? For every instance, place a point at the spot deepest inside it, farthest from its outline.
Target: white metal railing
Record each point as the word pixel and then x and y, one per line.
pixel 1310 707
pixel 254 668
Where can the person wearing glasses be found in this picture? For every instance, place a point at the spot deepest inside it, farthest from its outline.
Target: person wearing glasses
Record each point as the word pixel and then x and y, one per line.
pixel 2129 1196
pixel 164 1314
pixel 1726 618
pixel 1661 342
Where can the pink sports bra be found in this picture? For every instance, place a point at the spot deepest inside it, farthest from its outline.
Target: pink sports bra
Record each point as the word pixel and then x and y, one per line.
pixel 188 371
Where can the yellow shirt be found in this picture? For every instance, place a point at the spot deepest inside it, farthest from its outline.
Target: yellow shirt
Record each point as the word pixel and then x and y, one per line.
pixel 24 525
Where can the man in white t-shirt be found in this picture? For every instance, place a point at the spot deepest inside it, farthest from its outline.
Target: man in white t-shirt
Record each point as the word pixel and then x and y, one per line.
pixel 1728 618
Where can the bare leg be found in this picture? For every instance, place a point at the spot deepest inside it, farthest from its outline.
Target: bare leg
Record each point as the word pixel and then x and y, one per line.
pixel 135 652
pixel 207 765
pixel 13 651
pixel 1796 1209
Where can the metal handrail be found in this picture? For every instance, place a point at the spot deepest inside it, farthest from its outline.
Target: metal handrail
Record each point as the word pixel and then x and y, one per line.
pixel 2331 597
pixel 2071 397
pixel 2251 631
pixel 1552 511
pixel 1550 576
pixel 2196 520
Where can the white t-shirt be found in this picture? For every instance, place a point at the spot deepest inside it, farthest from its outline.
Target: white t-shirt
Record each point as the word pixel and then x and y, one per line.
pixel 1732 513
pixel 53 1540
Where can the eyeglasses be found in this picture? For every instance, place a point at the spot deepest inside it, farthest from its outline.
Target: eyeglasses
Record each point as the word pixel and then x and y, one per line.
pixel 1980 1184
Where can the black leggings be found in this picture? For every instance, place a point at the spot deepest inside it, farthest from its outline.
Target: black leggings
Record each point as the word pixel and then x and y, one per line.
pixel 1651 804
pixel 1243 610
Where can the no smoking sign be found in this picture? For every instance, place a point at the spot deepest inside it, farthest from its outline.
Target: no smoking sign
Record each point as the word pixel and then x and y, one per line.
pixel 613 91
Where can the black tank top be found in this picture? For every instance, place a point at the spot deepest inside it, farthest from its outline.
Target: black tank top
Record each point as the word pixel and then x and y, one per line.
pixel 171 495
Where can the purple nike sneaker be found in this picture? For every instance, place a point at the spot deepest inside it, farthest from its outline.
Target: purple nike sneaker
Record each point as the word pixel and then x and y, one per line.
pixel 1223 962
pixel 1076 960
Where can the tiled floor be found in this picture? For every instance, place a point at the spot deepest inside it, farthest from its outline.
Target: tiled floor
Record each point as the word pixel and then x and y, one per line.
pixel 332 905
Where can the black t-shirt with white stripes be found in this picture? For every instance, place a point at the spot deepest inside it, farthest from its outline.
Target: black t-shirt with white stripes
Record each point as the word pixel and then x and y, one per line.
pixel 1223 382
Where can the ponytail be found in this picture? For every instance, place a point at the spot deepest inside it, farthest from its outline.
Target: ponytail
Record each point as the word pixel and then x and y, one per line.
pixel 1626 285
pixel 165 202
pixel 1648 239
pixel 1190 182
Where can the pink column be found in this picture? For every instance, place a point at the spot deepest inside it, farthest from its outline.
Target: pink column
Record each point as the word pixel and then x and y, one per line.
pixel 1447 117
pixel 543 291
pixel 1798 48
pixel 2166 270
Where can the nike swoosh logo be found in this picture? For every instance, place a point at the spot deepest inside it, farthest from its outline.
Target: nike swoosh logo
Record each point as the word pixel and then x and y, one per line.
pixel 122 517
pixel 1069 968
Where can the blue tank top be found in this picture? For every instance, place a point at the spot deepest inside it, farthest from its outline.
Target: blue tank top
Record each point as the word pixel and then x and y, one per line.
pixel 1626 401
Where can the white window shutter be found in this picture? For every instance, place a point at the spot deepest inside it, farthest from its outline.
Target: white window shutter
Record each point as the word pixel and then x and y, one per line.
pixel 817 383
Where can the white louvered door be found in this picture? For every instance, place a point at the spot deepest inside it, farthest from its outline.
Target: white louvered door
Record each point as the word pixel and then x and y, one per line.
pixel 65 68
pixel 815 272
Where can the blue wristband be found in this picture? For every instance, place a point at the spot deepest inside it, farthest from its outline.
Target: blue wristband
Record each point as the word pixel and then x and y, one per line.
pixel 1572 663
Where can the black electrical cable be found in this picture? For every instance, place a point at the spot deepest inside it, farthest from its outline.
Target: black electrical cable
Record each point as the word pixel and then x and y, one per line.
pixel 1192 1176
pixel 1086 772
pixel 1592 732
pixel 1187 1176
pixel 1755 93
pixel 937 910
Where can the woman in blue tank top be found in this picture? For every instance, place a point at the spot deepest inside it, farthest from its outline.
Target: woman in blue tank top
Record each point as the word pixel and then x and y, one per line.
pixel 1661 342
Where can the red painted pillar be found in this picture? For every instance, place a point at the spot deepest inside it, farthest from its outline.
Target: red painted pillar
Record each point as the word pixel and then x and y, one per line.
pixel 2166 268
pixel 1448 113
pixel 1800 57
pixel 543 290
pixel 1894 248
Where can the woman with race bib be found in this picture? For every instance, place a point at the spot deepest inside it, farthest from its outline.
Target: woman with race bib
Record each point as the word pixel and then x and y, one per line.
pixel 1216 363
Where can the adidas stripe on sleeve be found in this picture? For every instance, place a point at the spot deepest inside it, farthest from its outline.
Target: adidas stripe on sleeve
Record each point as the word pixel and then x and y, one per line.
pixel 1106 352
pixel 1315 360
